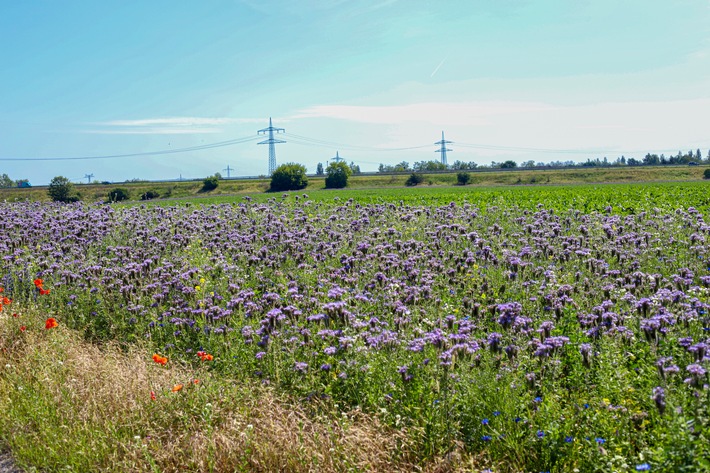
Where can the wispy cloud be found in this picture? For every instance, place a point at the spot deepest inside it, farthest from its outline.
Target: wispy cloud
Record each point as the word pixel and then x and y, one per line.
pixel 438 67
pixel 468 113
pixel 167 125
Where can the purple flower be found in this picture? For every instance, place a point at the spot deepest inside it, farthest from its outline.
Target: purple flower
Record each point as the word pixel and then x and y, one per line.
pixel 643 467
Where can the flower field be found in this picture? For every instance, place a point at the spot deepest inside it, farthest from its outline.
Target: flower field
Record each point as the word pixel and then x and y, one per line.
pixel 547 330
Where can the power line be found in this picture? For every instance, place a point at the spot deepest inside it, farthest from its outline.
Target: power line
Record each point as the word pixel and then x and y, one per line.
pixel 146 153
pixel 271 142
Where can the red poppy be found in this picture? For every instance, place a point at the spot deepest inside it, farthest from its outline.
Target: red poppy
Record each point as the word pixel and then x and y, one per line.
pixel 204 356
pixel 177 388
pixel 51 323
pixel 152 395
pixel 162 360
pixel 195 381
pixel 44 292
pixel 6 301
pixel 23 328
pixel 38 282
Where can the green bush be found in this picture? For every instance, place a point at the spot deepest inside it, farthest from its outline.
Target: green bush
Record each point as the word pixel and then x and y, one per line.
pixel 463 178
pixel 61 190
pixel 706 174
pixel 288 177
pixel 151 194
pixel 337 175
pixel 210 183
pixel 118 194
pixel 414 179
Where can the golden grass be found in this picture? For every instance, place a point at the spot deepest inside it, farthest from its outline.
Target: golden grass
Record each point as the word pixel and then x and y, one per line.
pixel 69 404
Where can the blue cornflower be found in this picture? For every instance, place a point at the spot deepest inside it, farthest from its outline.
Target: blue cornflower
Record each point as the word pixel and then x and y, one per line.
pixel 496 413
pixel 643 467
pixel 569 439
pixel 486 438
pixel 484 422
pixel 586 406
pixel 517 419
pixel 538 399
pixel 599 440
pixel 540 434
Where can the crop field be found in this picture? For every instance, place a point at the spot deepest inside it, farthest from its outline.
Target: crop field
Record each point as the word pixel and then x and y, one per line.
pixel 525 329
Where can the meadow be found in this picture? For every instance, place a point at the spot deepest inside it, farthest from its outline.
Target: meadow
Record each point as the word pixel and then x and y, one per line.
pixel 502 329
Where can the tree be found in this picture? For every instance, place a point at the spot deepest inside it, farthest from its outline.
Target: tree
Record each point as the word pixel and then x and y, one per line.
pixel 355 168
pixel 289 177
pixel 706 174
pixel 5 181
pixel 118 194
pixel 319 169
pixel 337 175
pixel 210 183
pixel 414 179
pixel 61 190
pixel 463 178
pixel 509 164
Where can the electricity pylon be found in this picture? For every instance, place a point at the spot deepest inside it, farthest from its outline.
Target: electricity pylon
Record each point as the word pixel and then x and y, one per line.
pixel 443 148
pixel 228 169
pixel 88 177
pixel 271 142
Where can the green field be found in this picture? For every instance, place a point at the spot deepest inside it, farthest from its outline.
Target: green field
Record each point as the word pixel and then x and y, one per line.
pixel 517 178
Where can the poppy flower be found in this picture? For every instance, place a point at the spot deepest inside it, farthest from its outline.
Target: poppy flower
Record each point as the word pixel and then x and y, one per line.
pixel 152 395
pixel 6 301
pixel 44 292
pixel 38 282
pixel 204 356
pixel 160 359
pixel 195 381
pixel 1 289
pixel 23 328
pixel 51 323
pixel 177 388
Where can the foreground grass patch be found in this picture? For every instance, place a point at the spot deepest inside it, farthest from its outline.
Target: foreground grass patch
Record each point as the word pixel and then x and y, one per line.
pixel 69 405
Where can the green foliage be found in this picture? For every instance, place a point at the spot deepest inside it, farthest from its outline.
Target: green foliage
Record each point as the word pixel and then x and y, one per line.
pixel 319 169
pixel 118 194
pixel 414 179
pixel 61 190
pixel 210 183
pixel 706 174
pixel 289 177
pixel 463 178
pixel 5 181
pixel 337 175
pixel 509 164
pixel 150 194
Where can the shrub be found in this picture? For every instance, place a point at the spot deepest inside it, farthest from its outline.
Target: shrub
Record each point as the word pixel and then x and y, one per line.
pixel 289 177
pixel 61 189
pixel 337 175
pixel 706 174
pixel 151 194
pixel 118 194
pixel 463 178
pixel 210 183
pixel 414 179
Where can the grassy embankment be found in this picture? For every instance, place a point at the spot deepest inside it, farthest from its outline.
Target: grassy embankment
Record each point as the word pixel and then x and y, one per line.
pixel 178 190
pixel 66 404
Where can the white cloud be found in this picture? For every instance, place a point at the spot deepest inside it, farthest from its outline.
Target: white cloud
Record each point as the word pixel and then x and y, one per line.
pixel 442 113
pixel 167 125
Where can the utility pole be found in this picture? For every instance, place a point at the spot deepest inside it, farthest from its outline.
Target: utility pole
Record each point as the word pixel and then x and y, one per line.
pixel 271 142
pixel 228 169
pixel 88 177
pixel 443 148
pixel 337 158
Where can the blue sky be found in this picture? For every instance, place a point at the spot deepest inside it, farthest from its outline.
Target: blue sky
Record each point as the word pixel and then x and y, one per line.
pixel 589 78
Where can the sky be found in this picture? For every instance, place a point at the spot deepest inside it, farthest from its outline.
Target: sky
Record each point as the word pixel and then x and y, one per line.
pixel 377 81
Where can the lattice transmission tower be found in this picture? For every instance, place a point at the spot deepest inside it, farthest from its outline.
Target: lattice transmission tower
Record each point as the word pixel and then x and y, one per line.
pixel 271 142
pixel 443 148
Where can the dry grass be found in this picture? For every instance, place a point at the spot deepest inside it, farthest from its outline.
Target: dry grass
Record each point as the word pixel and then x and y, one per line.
pixel 65 403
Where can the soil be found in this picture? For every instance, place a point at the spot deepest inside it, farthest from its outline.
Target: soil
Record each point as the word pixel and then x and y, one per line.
pixel 7 465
